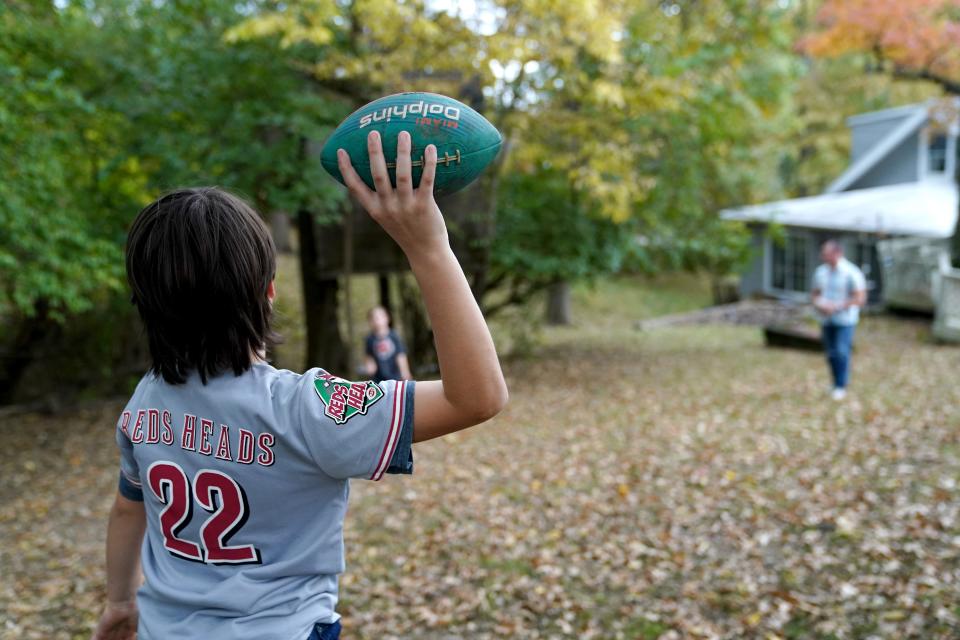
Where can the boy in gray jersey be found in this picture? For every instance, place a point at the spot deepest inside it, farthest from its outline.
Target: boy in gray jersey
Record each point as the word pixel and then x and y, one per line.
pixel 234 476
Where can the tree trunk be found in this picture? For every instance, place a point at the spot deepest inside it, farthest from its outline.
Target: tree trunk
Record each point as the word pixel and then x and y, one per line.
pixel 420 347
pixel 558 304
pixel 280 230
pixel 386 300
pixel 325 346
pixel 20 355
pixel 348 289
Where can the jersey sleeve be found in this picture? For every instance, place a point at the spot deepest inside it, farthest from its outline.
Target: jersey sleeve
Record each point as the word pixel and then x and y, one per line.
pixel 129 485
pixel 357 429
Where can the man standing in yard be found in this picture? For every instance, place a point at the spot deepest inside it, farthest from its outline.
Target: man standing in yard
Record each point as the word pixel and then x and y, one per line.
pixel 839 290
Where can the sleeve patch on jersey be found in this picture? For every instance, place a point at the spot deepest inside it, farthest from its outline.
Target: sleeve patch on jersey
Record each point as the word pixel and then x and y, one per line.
pixel 343 399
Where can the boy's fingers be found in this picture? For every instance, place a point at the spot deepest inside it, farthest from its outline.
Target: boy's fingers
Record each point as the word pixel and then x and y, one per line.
pixel 378 166
pixel 429 169
pixel 352 179
pixel 404 179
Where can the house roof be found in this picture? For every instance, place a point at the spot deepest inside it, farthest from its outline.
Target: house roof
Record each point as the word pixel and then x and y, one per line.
pixel 927 208
pixel 893 113
pixel 916 117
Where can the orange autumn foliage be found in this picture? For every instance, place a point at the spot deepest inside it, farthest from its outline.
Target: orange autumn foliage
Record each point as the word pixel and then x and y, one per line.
pixel 909 38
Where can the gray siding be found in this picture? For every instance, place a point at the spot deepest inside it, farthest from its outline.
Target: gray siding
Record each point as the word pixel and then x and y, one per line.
pixel 754 279
pixel 865 136
pixel 901 165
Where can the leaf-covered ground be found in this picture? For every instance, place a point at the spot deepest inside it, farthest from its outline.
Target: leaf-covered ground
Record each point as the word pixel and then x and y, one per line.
pixel 682 483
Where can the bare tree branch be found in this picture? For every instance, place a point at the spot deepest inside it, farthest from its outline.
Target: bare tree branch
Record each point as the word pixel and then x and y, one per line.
pixel 947 84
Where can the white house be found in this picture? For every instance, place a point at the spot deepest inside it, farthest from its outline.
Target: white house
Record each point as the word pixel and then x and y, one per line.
pixel 899 184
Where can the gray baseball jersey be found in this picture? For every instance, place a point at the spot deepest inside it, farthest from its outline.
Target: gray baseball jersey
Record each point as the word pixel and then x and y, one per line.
pixel 245 485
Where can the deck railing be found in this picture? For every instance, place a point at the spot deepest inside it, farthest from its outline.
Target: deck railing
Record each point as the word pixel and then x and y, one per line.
pixel 910 267
pixel 946 323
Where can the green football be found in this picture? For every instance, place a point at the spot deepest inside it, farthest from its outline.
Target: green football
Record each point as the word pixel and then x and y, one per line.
pixel 466 142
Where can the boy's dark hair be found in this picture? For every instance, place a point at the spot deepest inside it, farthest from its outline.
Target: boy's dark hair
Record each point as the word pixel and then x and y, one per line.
pixel 199 262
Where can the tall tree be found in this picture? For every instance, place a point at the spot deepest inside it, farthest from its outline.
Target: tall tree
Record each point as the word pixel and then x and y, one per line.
pixel 657 112
pixel 107 103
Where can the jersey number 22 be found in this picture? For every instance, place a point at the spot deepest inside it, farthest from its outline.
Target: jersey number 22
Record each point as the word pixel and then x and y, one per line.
pixel 218 494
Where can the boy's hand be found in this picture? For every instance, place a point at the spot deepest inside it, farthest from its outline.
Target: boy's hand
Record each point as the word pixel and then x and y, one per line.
pixel 118 622
pixel 411 216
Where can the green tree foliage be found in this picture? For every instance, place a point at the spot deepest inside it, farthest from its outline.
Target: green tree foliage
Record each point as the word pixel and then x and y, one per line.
pixel 59 248
pixel 546 231
pixel 109 102
pixel 713 139
pixel 106 104
pixel 201 110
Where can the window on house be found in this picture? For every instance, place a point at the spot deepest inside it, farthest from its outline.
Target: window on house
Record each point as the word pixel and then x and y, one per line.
pixel 937 154
pixel 863 253
pixel 789 264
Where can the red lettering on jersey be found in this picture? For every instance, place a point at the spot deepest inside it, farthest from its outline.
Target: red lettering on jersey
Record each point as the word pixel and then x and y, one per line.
pixel 124 423
pixel 206 430
pixel 337 405
pixel 223 444
pixel 265 441
pixel 166 437
pixel 245 447
pixel 356 395
pixel 153 426
pixel 137 435
pixel 188 439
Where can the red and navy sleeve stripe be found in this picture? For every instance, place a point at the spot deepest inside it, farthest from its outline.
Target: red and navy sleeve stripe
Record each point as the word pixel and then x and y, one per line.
pixel 130 489
pixel 397 453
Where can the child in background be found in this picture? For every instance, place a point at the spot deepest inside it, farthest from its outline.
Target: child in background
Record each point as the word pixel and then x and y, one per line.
pixel 386 357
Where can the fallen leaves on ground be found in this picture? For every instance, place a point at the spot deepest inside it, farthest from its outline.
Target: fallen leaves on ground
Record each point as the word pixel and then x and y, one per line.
pixel 684 483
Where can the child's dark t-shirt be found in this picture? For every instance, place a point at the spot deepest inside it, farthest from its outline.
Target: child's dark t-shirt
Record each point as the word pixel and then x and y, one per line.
pixel 384 351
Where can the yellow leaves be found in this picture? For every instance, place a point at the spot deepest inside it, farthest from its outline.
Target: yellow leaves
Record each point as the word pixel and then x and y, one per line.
pixel 556 31
pixel 309 26
pixel 609 94
pixel 386 40
pixel 605 171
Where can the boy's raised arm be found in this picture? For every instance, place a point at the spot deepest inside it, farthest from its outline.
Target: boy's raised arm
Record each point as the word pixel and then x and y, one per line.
pixel 472 388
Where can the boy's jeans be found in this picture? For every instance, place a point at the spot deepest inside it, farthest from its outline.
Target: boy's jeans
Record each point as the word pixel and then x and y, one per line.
pixel 838 342
pixel 326 631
